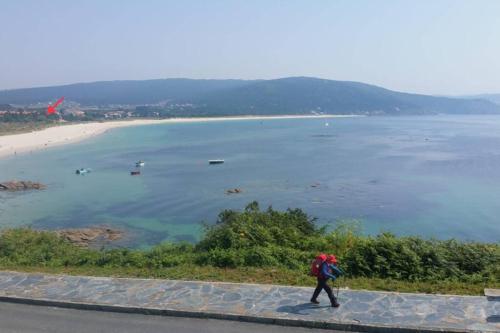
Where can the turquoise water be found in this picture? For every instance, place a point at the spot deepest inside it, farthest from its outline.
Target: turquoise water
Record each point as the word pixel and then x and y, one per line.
pixel 432 176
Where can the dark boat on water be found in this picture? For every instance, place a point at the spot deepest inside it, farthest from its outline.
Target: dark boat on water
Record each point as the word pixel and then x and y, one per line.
pixel 215 161
pixel 82 171
pixel 135 173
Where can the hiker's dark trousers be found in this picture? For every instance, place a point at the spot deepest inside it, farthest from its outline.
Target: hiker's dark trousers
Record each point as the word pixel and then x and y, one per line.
pixel 322 284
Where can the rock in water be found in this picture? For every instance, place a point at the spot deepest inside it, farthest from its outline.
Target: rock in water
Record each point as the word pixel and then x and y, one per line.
pixel 21 185
pixel 92 236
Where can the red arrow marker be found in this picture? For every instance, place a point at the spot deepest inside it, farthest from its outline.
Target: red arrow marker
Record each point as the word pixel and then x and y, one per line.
pixel 52 108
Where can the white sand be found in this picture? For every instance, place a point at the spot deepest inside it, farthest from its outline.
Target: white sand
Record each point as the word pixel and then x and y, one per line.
pixel 54 136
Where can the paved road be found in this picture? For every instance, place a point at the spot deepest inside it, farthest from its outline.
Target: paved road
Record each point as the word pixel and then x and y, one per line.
pixel 21 318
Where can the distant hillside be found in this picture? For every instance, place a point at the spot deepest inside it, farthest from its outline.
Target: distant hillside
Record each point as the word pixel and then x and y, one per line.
pixel 495 98
pixel 295 95
pixel 300 95
pixel 120 92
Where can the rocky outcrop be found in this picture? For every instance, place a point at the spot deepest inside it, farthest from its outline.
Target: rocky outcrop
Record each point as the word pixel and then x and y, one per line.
pixel 20 185
pixel 93 236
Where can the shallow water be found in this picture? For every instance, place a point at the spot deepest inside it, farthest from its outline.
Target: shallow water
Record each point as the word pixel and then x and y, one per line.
pixel 433 176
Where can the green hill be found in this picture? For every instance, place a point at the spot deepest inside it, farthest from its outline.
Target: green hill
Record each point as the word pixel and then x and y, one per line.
pixel 294 95
pixel 301 95
pixel 119 92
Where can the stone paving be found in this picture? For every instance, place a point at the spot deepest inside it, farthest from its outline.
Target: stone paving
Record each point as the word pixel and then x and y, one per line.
pixel 360 310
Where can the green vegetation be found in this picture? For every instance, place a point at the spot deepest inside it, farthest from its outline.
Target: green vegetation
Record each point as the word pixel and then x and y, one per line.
pixel 7 128
pixel 15 123
pixel 18 120
pixel 272 247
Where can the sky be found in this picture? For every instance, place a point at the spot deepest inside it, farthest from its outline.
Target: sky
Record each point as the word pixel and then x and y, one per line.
pixel 441 47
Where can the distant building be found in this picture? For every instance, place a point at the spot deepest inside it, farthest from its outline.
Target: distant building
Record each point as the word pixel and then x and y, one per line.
pixel 74 112
pixel 115 115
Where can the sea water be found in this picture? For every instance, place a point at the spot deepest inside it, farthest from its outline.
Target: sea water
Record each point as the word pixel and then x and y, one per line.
pixel 435 176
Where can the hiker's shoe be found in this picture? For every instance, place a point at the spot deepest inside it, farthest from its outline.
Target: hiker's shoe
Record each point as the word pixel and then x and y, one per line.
pixel 313 301
pixel 335 305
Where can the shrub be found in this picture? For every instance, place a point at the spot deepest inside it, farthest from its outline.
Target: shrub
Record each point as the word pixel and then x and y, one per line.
pixel 30 247
pixel 416 259
pixel 254 227
pixel 220 258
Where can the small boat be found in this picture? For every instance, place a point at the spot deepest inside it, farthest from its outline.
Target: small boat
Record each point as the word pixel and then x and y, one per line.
pixel 139 164
pixel 82 171
pixel 215 161
pixel 135 173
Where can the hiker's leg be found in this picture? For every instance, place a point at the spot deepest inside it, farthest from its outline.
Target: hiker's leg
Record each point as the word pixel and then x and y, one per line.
pixel 331 296
pixel 319 286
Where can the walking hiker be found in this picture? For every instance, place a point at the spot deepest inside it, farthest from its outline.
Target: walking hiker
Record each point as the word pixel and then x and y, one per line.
pixel 321 268
pixel 335 269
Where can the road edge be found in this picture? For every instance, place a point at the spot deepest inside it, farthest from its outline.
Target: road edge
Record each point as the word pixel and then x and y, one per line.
pixel 340 326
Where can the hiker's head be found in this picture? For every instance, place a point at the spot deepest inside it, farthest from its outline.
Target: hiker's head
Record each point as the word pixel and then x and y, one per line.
pixel 331 259
pixel 322 257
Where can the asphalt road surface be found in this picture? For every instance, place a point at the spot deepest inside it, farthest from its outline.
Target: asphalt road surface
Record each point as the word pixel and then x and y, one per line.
pixel 22 318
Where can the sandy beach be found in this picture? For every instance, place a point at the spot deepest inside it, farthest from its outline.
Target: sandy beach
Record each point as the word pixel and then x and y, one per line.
pixel 29 142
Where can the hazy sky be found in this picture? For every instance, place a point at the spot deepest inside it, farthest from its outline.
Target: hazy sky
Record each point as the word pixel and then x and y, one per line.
pixel 434 46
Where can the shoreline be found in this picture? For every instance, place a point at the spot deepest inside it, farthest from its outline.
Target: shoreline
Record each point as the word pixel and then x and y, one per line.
pixel 16 144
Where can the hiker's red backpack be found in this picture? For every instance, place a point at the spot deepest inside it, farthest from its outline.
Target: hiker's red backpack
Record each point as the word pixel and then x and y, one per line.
pixel 316 264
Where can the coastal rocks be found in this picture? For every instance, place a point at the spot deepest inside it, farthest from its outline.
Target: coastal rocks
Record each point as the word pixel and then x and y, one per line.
pixel 93 236
pixel 234 191
pixel 21 185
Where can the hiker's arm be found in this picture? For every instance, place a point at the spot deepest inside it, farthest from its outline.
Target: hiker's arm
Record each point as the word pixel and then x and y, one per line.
pixel 337 270
pixel 326 273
